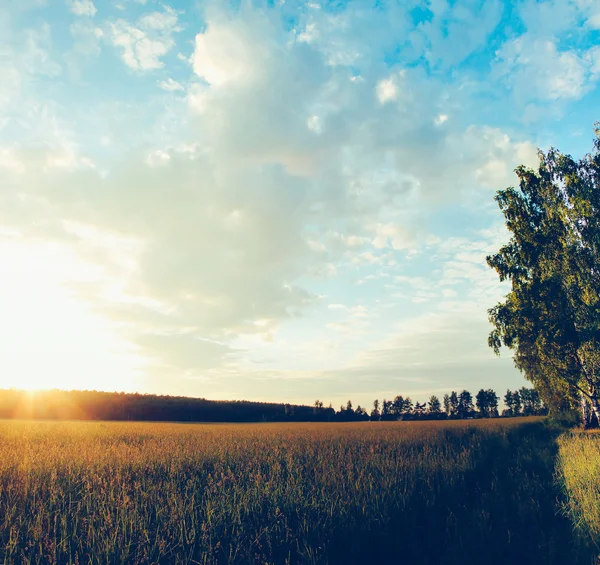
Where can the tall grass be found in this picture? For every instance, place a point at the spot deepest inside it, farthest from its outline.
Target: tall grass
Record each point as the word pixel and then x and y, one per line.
pixel 579 473
pixel 408 492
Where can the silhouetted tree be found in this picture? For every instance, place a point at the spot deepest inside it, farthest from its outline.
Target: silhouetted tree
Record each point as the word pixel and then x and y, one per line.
pixel 318 408
pixel 398 406
pixel 375 415
pixel 487 403
pixel 386 409
pixel 508 402
pixel 434 405
pixel 447 405
pixel 531 401
pixel 454 405
pixel 517 402
pixel 514 402
pixel 465 404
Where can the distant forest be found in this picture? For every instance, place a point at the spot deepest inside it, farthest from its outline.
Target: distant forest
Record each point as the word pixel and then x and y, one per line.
pixel 94 405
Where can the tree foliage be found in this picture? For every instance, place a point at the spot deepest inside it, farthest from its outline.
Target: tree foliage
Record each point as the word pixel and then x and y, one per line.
pixel 487 403
pixel 551 316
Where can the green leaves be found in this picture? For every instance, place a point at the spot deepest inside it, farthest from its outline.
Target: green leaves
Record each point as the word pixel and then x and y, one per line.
pixel 551 316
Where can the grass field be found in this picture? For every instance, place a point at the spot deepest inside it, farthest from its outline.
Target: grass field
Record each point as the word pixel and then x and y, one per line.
pixel 579 473
pixel 405 492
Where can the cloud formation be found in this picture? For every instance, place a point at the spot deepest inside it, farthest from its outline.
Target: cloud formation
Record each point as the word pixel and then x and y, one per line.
pixel 287 202
pixel 83 7
pixel 144 43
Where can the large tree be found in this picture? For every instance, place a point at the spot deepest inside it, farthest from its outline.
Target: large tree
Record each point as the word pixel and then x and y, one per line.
pixel 551 316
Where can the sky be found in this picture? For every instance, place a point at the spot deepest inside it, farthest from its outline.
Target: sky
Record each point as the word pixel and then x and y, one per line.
pixel 278 201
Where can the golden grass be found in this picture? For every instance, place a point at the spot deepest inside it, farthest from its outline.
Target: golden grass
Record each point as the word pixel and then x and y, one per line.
pixel 410 492
pixel 579 472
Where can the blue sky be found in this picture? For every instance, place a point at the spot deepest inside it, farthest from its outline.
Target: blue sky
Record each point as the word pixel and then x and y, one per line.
pixel 275 201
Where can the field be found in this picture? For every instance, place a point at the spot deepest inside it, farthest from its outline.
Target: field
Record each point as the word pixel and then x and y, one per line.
pixel 579 472
pixel 404 492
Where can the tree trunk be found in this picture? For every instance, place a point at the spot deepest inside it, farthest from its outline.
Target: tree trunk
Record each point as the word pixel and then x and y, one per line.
pixel 595 402
pixel 585 411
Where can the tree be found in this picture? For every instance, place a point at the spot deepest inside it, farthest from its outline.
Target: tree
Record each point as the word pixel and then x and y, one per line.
pixel 538 405
pixel 508 401
pixel 492 403
pixel 465 404
pixel 551 316
pixel 420 409
pixel 487 403
pixel 447 406
pixel 481 403
pixel 434 405
pixel 375 412
pixel 386 409
pixel 527 401
pixel 398 405
pixel 517 403
pixel 401 406
pixel 453 404
pixel 318 407
pixel 531 401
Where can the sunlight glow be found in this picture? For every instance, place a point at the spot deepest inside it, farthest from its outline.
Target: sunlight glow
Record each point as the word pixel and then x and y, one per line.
pixel 49 338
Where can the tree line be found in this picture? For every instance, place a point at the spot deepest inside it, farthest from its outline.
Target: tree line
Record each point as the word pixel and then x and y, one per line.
pixel 95 405
pixel 454 406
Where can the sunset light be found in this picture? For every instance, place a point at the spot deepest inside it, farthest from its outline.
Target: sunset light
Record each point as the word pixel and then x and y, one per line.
pixel 48 338
pixel 299 282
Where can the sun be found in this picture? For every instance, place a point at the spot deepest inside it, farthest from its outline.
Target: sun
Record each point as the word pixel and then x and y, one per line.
pixel 48 337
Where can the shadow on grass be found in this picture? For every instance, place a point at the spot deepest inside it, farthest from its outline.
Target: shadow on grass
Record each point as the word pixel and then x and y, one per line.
pixel 506 510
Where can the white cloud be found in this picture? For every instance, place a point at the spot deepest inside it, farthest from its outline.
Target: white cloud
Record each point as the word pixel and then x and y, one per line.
pixel 548 19
pixel 144 43
pixel 228 52
pixel 87 38
pixel 537 69
pixel 456 31
pixel 314 124
pixel 10 160
pixel 288 176
pixel 594 21
pixel 387 90
pixel 309 34
pixel 170 85
pixel 36 52
pixel 26 62
pixel 158 158
pixel 394 236
pixel 593 59
pixel 83 7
